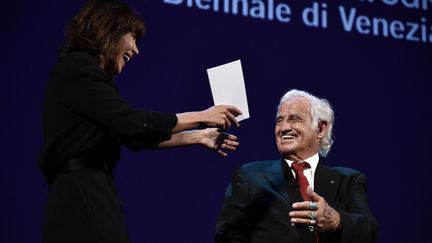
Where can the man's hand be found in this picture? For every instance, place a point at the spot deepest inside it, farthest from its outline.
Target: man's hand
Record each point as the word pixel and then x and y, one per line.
pixel 217 141
pixel 324 217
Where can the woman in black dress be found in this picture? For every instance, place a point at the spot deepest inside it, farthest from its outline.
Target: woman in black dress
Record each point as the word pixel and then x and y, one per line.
pixel 86 121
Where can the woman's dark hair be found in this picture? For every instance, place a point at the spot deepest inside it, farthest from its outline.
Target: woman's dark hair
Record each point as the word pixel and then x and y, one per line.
pixel 100 25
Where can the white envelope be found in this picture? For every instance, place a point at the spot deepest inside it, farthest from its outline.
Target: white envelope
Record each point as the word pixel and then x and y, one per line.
pixel 227 86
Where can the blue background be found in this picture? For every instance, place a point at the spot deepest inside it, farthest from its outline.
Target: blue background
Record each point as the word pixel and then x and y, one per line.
pixel 378 87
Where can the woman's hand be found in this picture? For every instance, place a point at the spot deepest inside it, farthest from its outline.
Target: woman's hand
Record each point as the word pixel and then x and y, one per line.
pixel 212 138
pixel 216 140
pixel 221 116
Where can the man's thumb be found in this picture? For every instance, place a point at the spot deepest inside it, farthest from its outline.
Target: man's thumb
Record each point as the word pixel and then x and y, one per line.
pixel 313 195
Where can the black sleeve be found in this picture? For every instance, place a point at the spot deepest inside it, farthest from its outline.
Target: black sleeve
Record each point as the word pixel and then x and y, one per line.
pixel 358 223
pixel 233 224
pixel 90 93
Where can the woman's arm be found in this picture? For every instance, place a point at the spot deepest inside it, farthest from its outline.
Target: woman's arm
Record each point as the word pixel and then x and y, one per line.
pixel 221 116
pixel 210 137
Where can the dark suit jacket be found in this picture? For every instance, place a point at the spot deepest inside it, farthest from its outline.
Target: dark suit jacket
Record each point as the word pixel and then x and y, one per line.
pixel 259 199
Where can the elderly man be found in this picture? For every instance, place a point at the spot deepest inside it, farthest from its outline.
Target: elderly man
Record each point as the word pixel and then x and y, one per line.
pixel 297 198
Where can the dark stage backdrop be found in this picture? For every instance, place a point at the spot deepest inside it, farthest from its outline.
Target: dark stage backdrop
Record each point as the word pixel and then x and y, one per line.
pixel 371 59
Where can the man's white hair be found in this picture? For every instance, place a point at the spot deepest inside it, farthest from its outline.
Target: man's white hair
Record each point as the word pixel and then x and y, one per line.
pixel 321 110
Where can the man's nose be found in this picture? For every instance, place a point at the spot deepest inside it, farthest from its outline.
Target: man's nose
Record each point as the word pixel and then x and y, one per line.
pixel 286 126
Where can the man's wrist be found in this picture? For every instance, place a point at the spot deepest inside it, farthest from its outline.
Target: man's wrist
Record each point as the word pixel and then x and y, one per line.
pixel 338 224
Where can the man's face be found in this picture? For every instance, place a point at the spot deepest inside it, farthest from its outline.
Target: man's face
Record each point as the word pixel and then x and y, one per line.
pixel 121 53
pixel 295 138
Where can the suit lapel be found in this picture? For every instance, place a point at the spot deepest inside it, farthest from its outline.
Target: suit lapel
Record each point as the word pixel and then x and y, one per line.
pixel 281 179
pixel 326 182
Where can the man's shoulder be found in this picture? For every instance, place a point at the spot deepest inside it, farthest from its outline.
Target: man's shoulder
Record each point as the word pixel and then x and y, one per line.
pixel 344 171
pixel 260 166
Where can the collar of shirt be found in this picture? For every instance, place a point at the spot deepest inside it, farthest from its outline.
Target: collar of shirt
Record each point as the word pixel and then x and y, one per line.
pixel 309 172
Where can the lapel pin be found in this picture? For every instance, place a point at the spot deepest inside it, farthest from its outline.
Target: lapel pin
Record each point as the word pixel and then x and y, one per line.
pixel 332 181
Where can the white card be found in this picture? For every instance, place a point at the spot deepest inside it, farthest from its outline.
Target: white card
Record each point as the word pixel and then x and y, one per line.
pixel 228 88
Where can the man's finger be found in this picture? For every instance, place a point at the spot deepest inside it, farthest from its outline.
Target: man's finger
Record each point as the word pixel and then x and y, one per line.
pixel 301 205
pixel 313 195
pixel 300 214
pixel 301 221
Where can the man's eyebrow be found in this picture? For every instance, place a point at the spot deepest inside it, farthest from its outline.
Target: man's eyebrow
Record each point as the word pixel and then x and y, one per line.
pixel 295 116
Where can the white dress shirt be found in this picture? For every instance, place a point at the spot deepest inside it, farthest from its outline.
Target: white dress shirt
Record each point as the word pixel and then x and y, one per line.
pixel 308 172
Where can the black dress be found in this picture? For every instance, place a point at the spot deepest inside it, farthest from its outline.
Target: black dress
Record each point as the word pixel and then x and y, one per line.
pixel 85 119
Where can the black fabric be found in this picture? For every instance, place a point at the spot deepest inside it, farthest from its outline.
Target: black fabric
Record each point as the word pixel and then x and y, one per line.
pixel 85 116
pixel 259 199
pixel 83 207
pixel 75 164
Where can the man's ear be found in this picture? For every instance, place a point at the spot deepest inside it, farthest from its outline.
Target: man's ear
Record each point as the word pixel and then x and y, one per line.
pixel 322 128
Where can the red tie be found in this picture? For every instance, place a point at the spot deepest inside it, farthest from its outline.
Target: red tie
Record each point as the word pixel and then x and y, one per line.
pixel 298 168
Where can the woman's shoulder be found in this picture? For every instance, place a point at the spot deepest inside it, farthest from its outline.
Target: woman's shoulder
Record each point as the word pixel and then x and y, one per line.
pixel 79 64
pixel 76 57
